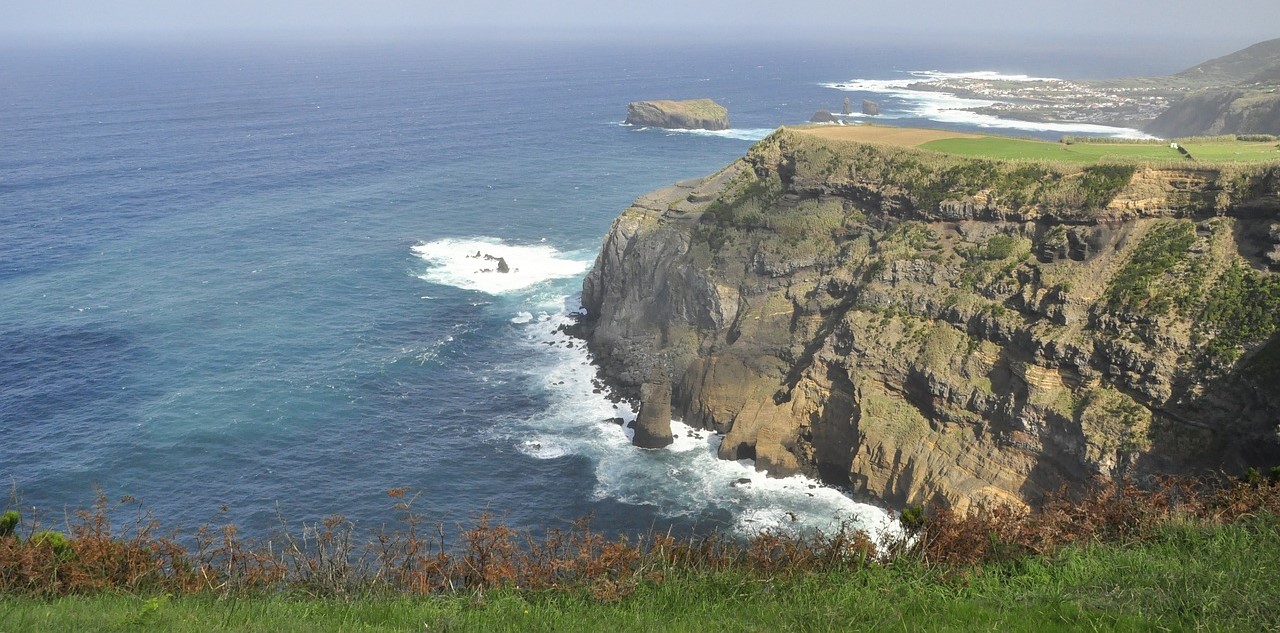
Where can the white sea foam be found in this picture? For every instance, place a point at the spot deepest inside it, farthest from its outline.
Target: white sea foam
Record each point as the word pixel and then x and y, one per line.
pixel 944 107
pixel 684 479
pixel 542 448
pixel 742 134
pixel 453 262
pixel 986 75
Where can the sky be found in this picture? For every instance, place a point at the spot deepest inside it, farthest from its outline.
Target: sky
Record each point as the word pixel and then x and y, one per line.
pixel 1240 21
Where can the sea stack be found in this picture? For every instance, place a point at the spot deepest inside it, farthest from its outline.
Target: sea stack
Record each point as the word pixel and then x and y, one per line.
pixel 870 108
pixel 653 425
pixel 848 106
pixel 823 116
pixel 693 114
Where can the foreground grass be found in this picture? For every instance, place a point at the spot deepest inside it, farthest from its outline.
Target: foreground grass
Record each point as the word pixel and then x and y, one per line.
pixel 1187 577
pixel 1004 148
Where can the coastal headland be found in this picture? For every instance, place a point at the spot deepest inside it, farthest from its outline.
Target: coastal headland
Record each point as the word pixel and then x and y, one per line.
pixel 930 327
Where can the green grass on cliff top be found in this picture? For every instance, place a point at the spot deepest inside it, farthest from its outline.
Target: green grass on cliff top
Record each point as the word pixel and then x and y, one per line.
pixel 998 147
pixel 1187 578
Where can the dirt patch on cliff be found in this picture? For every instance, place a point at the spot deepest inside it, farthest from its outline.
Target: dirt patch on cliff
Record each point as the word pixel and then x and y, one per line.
pixel 902 136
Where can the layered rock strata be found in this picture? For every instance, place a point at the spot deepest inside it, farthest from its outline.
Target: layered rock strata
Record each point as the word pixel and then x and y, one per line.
pixel 930 329
pixel 652 428
pixel 693 114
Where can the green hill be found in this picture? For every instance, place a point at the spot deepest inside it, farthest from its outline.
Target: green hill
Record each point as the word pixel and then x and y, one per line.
pixel 1260 62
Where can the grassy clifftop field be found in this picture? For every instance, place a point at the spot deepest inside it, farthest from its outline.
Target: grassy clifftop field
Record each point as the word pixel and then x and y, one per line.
pixel 1223 149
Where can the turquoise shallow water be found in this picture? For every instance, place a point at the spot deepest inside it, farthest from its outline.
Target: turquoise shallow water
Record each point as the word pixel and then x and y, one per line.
pixel 237 275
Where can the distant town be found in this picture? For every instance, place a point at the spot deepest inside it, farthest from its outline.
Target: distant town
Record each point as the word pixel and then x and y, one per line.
pixel 1106 103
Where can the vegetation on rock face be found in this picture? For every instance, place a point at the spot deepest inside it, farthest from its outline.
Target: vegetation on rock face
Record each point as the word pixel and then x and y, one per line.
pixel 1040 323
pixel 1069 191
pixel 1164 246
pixel 1242 311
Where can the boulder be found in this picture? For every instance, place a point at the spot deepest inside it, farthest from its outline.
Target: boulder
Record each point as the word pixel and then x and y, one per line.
pixel 823 116
pixel 870 108
pixel 693 114
pixel 653 425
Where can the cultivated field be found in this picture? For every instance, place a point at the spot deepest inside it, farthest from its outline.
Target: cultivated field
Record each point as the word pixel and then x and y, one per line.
pixel 1008 148
pixel 903 136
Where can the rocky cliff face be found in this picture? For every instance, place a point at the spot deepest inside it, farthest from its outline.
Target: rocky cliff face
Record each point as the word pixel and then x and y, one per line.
pixel 693 114
pixel 928 329
pixel 1220 112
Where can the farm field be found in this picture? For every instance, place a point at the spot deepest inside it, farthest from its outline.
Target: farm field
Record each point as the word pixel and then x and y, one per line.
pixel 1009 148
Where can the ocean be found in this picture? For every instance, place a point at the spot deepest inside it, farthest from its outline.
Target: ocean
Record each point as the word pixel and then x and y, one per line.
pixel 234 281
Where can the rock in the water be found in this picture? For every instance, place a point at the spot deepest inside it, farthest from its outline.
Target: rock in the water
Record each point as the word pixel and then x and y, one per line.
pixel 653 426
pixel 823 116
pixel 502 265
pixel 870 108
pixel 693 114
pixel 848 106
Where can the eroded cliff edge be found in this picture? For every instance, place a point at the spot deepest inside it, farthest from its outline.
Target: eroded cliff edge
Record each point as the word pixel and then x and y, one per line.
pixel 931 329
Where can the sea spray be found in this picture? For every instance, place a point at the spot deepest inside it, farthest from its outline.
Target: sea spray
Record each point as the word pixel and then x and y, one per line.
pixel 473 264
pixel 686 479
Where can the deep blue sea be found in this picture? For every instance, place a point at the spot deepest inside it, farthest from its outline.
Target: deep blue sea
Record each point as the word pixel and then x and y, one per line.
pixel 236 275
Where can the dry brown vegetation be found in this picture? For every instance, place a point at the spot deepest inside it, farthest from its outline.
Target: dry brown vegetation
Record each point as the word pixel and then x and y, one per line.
pixel 331 558
pixel 900 136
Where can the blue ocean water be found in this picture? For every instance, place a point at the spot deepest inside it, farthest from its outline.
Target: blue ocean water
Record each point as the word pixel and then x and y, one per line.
pixel 236 274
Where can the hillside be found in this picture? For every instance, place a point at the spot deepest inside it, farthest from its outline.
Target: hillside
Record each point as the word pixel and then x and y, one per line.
pixel 1233 94
pixel 1232 111
pixel 1259 62
pixel 927 328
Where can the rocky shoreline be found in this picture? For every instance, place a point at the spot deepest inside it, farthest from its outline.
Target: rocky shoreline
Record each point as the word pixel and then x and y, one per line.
pixel 967 351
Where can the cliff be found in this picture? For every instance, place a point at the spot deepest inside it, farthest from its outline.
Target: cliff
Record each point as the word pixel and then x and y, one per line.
pixel 694 114
pixel 1233 94
pixel 929 329
pixel 1220 112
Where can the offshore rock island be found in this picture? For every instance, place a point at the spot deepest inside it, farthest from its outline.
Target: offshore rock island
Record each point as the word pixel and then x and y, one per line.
pixel 925 328
pixel 693 114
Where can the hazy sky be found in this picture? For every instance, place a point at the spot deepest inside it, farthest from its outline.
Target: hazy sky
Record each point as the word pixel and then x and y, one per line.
pixel 1227 20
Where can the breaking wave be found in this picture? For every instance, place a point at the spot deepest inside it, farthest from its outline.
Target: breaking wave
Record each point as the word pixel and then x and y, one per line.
pixel 686 478
pixel 742 134
pixel 473 264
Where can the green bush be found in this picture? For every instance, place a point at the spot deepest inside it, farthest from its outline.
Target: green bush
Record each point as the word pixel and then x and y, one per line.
pixel 912 519
pixel 1243 309
pixel 9 523
pixel 1000 247
pixel 1133 288
pixel 55 540
pixel 1101 183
